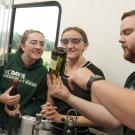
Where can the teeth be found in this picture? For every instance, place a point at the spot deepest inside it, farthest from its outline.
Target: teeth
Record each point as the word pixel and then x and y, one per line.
pixel 37 52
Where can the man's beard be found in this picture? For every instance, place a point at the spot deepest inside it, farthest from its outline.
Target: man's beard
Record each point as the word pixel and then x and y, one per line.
pixel 130 58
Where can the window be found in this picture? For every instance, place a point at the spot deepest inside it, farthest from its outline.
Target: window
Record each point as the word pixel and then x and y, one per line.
pixel 5 19
pixel 42 16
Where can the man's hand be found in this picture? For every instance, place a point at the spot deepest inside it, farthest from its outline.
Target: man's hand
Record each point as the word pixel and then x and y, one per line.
pixel 57 88
pixel 80 77
pixel 9 100
pixel 12 112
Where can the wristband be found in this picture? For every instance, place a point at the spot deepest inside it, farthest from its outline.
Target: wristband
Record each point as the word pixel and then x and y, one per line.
pixel 92 79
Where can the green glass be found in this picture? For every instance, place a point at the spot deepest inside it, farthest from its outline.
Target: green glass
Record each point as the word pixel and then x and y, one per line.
pixel 57 63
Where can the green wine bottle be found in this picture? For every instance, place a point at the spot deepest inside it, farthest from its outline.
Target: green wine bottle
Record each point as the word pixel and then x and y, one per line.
pixel 13 92
pixel 57 63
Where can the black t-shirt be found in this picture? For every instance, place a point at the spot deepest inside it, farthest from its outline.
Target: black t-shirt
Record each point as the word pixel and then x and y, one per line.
pixel 63 107
pixel 130 83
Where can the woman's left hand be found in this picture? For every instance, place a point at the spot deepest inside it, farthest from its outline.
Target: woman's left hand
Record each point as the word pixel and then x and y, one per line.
pixel 12 112
pixel 50 113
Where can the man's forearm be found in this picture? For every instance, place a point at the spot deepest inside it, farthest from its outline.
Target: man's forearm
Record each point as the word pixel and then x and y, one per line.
pixel 94 112
pixel 117 100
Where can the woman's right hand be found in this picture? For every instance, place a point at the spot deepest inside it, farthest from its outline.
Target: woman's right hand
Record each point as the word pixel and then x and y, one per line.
pixel 57 88
pixel 49 112
pixel 44 108
pixel 7 99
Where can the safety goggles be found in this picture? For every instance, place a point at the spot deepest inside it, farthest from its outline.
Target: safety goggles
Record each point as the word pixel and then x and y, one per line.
pixel 75 41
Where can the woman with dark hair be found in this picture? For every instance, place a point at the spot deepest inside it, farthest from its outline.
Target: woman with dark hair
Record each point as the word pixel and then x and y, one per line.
pixel 75 40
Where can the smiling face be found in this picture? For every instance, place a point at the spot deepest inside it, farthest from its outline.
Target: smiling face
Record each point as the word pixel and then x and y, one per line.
pixel 127 39
pixel 73 41
pixel 33 47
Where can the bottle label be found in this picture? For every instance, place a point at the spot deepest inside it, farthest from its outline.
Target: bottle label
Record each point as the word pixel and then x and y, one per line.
pixel 53 64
